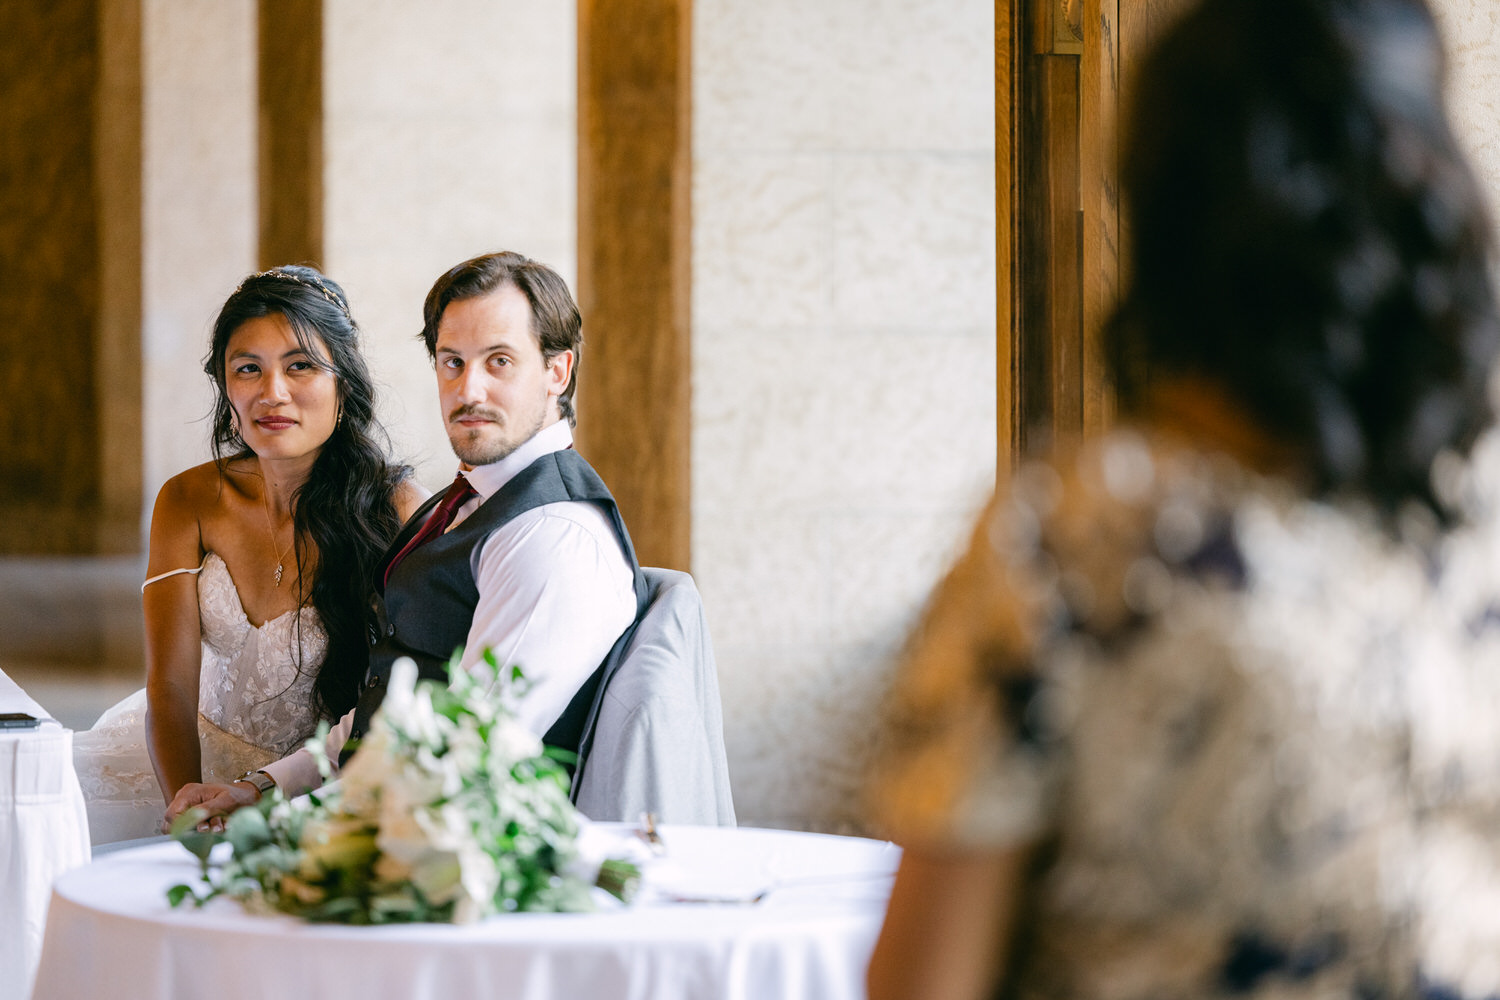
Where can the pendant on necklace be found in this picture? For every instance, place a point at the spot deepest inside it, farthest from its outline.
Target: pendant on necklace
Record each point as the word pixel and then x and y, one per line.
pixel 278 574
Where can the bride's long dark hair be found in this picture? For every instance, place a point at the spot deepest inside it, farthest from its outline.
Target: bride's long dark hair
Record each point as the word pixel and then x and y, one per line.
pixel 345 513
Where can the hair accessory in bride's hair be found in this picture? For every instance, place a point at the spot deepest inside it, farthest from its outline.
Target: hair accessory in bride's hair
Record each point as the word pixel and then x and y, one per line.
pixel 313 283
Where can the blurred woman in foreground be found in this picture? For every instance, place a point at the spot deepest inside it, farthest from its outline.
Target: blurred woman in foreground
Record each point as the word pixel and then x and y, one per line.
pixel 1211 706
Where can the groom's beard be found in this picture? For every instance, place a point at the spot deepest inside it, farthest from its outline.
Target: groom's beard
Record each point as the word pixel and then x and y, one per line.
pixel 493 440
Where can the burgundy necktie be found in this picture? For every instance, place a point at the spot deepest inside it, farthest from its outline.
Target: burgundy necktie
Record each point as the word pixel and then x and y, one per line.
pixel 440 518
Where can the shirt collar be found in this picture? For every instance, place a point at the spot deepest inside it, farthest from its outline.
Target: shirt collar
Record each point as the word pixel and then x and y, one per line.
pixel 487 479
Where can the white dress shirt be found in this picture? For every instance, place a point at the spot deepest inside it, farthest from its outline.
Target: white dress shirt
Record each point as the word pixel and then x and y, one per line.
pixel 555 592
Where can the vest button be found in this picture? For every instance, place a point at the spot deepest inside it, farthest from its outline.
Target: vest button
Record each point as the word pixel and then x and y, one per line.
pixel 390 630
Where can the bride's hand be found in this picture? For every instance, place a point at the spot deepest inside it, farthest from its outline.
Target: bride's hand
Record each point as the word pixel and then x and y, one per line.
pixel 217 800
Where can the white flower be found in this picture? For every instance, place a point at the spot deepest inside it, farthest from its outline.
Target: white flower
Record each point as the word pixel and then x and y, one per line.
pixel 513 741
pixel 467 911
pixel 400 689
pixel 361 778
pixel 417 780
pixel 480 878
pixel 416 721
pixel 438 875
pixel 401 836
pixel 447 827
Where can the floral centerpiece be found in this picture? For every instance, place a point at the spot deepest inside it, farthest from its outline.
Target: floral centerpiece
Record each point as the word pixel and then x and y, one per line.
pixel 451 811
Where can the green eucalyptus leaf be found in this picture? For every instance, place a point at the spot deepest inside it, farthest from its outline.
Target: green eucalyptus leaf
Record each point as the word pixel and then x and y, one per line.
pixel 559 755
pixel 619 878
pixel 247 830
pixel 184 830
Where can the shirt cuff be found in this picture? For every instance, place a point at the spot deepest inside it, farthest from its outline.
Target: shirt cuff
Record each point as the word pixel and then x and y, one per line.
pixel 298 772
pixel 295 774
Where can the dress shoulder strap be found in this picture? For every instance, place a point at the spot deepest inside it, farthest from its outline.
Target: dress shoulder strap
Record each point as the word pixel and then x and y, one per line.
pixel 195 570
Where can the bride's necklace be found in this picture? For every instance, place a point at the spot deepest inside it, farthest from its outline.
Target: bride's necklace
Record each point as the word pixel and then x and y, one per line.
pixel 280 556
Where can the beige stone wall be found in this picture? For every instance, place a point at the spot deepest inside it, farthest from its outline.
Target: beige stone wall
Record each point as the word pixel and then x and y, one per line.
pixel 1471 29
pixel 198 210
pixel 448 131
pixel 843 361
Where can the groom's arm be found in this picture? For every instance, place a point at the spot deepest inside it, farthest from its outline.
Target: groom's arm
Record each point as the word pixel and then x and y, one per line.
pixel 555 592
pixel 298 771
pixel 294 774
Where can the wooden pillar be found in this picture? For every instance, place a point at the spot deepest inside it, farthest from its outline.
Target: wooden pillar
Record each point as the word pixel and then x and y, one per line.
pixel 1008 354
pixel 290 97
pixel 49 291
pixel 634 264
pixel 118 152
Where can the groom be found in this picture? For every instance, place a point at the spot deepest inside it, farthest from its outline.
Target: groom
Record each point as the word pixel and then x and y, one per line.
pixel 525 553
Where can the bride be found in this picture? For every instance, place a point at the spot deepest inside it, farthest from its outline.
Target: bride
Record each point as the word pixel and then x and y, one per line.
pixel 261 561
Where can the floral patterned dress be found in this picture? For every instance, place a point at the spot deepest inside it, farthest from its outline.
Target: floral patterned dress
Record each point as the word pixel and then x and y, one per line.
pixel 255 703
pixel 1255 741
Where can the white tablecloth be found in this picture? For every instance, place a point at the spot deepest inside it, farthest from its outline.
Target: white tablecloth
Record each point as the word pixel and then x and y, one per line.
pixel 44 832
pixel 112 934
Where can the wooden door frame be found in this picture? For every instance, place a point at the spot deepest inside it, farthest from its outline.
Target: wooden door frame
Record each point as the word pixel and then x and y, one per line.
pixel 1057 218
pixel 1008 355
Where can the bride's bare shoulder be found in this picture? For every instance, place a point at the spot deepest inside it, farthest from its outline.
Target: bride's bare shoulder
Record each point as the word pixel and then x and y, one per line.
pixel 204 488
pixel 409 496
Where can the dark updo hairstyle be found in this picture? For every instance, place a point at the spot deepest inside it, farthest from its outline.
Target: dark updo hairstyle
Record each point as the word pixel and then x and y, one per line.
pixel 346 509
pixel 1307 235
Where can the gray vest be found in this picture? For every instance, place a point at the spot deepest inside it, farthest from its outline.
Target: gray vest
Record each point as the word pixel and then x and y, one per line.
pixel 428 603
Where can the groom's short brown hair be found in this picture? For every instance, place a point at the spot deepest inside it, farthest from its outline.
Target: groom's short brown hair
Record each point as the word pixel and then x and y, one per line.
pixel 555 321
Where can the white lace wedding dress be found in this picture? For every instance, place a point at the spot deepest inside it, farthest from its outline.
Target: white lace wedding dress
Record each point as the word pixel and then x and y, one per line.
pixel 255 705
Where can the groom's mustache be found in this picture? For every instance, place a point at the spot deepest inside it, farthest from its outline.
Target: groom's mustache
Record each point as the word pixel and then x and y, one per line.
pixel 470 411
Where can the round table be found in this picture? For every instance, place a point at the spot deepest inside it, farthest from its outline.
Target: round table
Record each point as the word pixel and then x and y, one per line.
pixel 111 933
